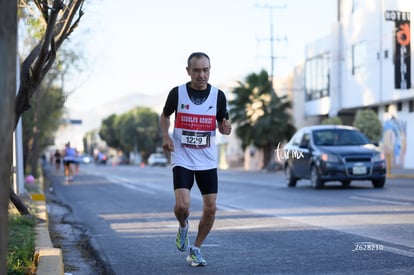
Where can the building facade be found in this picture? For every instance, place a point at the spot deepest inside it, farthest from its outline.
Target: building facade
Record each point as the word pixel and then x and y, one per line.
pixel 365 62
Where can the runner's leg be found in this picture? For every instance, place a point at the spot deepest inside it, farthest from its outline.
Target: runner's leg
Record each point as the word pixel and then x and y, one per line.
pixel 182 205
pixel 207 218
pixel 207 182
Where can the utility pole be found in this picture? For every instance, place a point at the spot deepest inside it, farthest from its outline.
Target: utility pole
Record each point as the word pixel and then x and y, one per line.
pixel 272 38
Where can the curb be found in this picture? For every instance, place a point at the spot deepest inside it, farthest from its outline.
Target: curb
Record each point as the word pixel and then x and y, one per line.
pixel 47 259
pixel 400 176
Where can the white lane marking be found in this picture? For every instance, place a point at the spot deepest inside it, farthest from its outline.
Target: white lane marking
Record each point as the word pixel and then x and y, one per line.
pixel 125 182
pixel 211 245
pixel 136 188
pixel 398 251
pixel 381 201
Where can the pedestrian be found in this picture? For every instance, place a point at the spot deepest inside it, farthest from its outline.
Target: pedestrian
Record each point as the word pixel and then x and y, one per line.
pixel 69 158
pixel 76 162
pixel 198 106
pixel 57 158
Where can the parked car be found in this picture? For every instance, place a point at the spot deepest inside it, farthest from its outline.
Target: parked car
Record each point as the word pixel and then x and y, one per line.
pixel 157 159
pixel 85 159
pixel 326 153
pixel 123 160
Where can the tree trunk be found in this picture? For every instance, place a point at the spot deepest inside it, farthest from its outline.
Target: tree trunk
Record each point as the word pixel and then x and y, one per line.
pixel 34 156
pixel 35 145
pixel 8 66
pixel 267 154
pixel 17 202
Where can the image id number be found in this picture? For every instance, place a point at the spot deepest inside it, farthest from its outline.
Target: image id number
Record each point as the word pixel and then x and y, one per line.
pixel 367 246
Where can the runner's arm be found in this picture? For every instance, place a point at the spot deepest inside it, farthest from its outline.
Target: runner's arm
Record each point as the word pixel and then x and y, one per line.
pixel 221 107
pixel 222 114
pixel 169 108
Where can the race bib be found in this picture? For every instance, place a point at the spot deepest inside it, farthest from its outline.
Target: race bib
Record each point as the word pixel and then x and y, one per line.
pixel 195 139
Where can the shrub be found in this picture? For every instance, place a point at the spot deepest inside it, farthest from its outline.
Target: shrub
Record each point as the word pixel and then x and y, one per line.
pixel 368 123
pixel 332 121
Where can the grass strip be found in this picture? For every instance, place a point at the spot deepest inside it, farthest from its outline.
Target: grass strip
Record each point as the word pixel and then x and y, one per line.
pixel 21 244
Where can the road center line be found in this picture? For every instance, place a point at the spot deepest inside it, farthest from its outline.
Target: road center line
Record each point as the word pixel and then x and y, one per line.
pixel 381 201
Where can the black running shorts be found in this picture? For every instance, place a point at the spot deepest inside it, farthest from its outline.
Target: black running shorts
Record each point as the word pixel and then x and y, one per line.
pixel 68 162
pixel 206 180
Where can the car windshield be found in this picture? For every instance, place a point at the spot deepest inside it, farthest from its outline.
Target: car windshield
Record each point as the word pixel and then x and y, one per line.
pixel 341 137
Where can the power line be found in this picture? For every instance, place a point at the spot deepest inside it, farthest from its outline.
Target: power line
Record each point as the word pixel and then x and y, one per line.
pixel 272 39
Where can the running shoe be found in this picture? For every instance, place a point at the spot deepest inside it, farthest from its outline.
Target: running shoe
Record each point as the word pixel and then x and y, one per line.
pixel 195 258
pixel 182 241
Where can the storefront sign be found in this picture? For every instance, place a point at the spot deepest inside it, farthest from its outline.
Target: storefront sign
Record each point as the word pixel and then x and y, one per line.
pixel 402 49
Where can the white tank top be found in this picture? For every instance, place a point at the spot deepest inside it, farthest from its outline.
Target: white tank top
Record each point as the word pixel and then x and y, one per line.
pixel 195 132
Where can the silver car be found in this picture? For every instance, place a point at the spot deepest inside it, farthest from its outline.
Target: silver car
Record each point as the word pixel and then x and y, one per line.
pixel 157 159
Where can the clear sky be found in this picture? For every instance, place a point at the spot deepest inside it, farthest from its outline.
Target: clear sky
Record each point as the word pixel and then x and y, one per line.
pixel 141 47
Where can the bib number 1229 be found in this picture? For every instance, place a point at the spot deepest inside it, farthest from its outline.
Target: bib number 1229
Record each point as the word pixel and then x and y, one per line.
pixel 195 139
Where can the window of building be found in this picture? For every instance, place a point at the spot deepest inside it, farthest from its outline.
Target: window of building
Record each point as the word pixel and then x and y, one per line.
pixel 411 106
pixel 359 57
pixel 317 70
pixel 399 106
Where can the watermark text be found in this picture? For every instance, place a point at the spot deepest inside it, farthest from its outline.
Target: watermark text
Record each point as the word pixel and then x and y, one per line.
pixel 284 154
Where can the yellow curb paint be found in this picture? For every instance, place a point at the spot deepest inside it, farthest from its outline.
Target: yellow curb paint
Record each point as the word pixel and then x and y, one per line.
pixel 38 197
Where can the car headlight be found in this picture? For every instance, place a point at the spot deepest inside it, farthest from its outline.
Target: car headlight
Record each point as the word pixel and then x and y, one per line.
pixel 329 157
pixel 378 157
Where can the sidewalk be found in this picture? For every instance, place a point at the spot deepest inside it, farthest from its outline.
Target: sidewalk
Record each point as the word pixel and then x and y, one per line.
pixel 401 173
pixel 48 259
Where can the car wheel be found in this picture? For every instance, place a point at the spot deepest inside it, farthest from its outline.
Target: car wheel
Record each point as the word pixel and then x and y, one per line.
pixel 346 183
pixel 315 179
pixel 378 183
pixel 290 179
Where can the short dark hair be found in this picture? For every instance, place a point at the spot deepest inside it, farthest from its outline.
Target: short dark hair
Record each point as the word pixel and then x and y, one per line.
pixel 197 55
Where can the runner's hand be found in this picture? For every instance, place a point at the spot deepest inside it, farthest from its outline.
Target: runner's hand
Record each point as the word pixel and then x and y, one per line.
pixel 168 144
pixel 225 127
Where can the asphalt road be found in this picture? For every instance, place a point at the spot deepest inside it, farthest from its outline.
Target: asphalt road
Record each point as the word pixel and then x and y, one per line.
pixel 122 218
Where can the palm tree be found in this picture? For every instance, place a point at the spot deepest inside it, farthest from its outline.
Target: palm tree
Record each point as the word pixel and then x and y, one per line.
pixel 261 116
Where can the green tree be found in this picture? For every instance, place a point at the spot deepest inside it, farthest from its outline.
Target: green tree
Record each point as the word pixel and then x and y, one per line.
pixel 332 121
pixel 47 28
pixel 42 120
pixel 59 19
pixel 109 131
pixel 40 124
pixel 261 116
pixel 135 130
pixel 368 123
